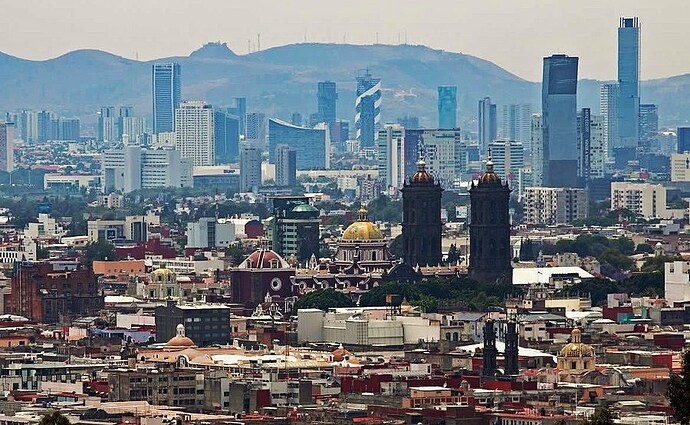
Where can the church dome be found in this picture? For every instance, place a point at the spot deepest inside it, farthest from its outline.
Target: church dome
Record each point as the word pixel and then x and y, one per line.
pixel 162 274
pixel 489 176
pixel 264 258
pixel 180 340
pixel 576 348
pixel 304 208
pixel 421 175
pixel 341 354
pixel 362 229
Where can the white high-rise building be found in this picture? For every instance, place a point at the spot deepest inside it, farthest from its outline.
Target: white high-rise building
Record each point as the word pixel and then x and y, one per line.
pixel 132 168
pixel 554 205
pixel 608 104
pixel 592 155
pixel 194 136
pixel 391 141
pixel 250 169
pixel 29 126
pixel 445 155
pixel 516 124
pixel 508 158
pixel 644 199
pixel 6 147
pixel 537 141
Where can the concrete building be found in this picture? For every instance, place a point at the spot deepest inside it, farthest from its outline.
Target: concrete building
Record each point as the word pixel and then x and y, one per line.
pixel 487 125
pixel 194 132
pixel 680 167
pixel 553 206
pixel 107 130
pixel 255 128
pixel 608 106
pixel 204 324
pixel 250 169
pixel 132 228
pixel 677 281
pixel 537 142
pixel 6 147
pixel 592 155
pixel 644 199
pixel 516 124
pixel 208 232
pixel 444 152
pixel 133 168
pixel 391 158
pixel 286 166
pixel 508 158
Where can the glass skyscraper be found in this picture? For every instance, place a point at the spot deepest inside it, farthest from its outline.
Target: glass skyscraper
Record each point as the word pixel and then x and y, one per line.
pixel 165 78
pixel 310 144
pixel 649 127
pixel 628 82
pixel 487 127
pixel 368 109
pixel 327 96
pixel 447 106
pixel 559 116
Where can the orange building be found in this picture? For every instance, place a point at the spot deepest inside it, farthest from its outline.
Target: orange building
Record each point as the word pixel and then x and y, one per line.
pixel 114 268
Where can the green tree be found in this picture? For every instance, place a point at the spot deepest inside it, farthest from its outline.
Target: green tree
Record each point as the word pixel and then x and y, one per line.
pixel 396 247
pixel 323 299
pixel 453 254
pixel 54 418
pixel 98 251
pixel 644 248
pixel 678 391
pixel 656 264
pixel 601 416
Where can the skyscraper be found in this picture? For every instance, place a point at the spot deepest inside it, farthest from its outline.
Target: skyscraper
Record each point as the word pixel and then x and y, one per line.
pixel 392 157
pixel 559 114
pixel 239 109
pixel 44 120
pixel 537 142
pixel 167 88
pixel 327 96
pixel 516 122
pixel 250 169
pixel 194 138
pixel 29 126
pixel 447 106
pixel 486 120
pixel 286 166
pixel 591 150
pixel 421 223
pixel 107 125
pixel 490 251
pixel 649 128
pixel 6 147
pixel 311 144
pixel 226 133
pixel 608 104
pixel 629 82
pixel 368 109
pixel 508 158
pixel 255 128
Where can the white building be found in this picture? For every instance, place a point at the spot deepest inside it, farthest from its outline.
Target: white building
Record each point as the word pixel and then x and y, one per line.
pixel 133 228
pixel 47 227
pixel 537 141
pixel 508 158
pixel 680 167
pixel 644 199
pixel 133 168
pixel 391 158
pixel 208 232
pixel 250 169
pixel 677 281
pixel 554 205
pixel 592 154
pixel 6 147
pixel 516 124
pixel 194 136
pixel 444 154
pixel 608 105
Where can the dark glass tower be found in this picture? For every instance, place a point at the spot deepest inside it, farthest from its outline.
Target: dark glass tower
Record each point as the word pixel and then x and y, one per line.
pixel 628 82
pixel 421 225
pixel 327 96
pixel 487 128
pixel 166 95
pixel 489 228
pixel 559 112
pixel 447 107
pixel 368 109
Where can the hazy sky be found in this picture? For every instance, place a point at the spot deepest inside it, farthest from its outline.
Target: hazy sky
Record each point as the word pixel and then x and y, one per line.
pixel 515 34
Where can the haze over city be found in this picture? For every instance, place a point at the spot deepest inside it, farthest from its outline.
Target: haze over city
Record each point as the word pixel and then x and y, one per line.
pixel 512 34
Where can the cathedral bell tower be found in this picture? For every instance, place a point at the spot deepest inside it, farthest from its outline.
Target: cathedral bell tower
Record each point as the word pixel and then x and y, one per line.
pixel 421 224
pixel 489 227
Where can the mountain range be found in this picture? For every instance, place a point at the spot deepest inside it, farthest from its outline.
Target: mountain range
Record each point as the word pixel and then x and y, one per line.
pixel 282 80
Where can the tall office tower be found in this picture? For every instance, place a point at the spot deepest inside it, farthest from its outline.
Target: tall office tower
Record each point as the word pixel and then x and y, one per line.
pixel 487 124
pixel 194 127
pixel 132 167
pixel 311 144
pixel 649 127
pixel 490 251
pixel 44 119
pixel 327 97
pixel 342 133
pixel 608 104
pixel 167 95
pixel 447 107
pixel 591 158
pixel 250 169
pixel 239 109
pixel 444 152
pixel 133 127
pixel 559 114
pixel 226 133
pixel 126 111
pixel 255 128
pixel 516 124
pixel 368 109
pixel 508 157
pixel 629 82
pixel 6 147
pixel 107 125
pixel 296 119
pixel 683 139
pixel 54 129
pixel 421 223
pixel 391 157
pixel 537 142
pixel 29 126
pixel 409 122
pixel 70 129
pixel 286 166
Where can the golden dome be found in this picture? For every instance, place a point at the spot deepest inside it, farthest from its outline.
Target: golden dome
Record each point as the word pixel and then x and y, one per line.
pixel 362 229
pixel 489 176
pixel 576 348
pixel 422 175
pixel 162 274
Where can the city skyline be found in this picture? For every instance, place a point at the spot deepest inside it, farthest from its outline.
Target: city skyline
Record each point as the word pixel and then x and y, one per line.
pixel 586 29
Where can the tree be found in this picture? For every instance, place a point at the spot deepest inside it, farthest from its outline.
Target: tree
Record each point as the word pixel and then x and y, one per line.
pixel 601 416
pixel 99 251
pixel 644 248
pixel 323 299
pixel 396 247
pixel 453 255
pixel 678 391
pixel 54 418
